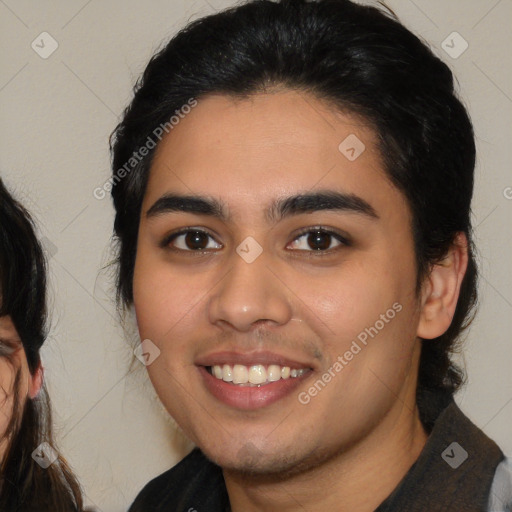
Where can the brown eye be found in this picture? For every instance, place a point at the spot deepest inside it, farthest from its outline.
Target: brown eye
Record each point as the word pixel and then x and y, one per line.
pixel 318 240
pixel 193 240
pixel 196 240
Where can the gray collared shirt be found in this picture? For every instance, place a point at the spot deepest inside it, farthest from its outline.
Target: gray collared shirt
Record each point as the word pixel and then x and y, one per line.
pixel 500 497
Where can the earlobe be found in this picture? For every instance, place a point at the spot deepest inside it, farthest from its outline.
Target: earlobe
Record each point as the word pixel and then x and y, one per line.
pixel 440 292
pixel 36 381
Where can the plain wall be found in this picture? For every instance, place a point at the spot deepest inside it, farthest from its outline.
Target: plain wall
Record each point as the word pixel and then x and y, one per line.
pixel 57 114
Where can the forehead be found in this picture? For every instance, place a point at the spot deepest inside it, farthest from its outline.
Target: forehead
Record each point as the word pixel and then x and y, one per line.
pixel 254 149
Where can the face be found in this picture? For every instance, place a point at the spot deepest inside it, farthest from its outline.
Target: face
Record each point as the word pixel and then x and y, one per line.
pixel 275 273
pixel 10 345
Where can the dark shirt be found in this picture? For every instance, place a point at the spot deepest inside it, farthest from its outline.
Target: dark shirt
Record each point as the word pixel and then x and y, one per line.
pixel 453 473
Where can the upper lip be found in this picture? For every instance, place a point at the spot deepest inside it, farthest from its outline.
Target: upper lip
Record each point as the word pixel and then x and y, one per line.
pixel 250 358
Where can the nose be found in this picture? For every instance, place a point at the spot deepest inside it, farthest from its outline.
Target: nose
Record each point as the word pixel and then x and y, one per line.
pixel 249 295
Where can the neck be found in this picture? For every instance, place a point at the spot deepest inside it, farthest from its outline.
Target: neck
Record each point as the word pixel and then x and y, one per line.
pixel 359 478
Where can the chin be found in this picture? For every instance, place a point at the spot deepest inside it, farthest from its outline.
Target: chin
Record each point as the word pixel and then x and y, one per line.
pixel 252 462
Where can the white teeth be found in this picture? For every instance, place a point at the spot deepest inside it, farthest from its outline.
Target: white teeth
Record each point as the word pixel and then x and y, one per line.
pixel 273 373
pixel 240 374
pixel 227 373
pixel 256 374
pixel 217 371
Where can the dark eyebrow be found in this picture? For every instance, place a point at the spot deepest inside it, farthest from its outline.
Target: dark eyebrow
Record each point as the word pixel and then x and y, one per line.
pixel 294 205
pixel 189 204
pixel 322 200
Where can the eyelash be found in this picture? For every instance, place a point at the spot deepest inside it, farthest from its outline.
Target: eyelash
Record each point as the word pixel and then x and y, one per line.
pixel 344 241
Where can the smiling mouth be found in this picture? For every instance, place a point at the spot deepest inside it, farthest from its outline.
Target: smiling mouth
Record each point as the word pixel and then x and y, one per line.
pixel 256 375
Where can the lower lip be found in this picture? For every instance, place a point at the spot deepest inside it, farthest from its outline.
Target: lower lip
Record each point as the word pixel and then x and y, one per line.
pixel 250 397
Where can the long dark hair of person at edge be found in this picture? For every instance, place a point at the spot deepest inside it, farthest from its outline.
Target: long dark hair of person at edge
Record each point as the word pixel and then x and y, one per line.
pixel 24 484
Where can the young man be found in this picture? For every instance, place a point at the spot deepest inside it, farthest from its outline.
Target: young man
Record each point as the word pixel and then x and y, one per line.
pixel 292 184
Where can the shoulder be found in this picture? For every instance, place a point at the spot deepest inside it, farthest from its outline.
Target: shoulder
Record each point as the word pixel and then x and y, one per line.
pixel 500 497
pixel 194 482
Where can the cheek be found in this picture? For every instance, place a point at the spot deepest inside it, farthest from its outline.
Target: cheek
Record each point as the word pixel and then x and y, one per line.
pixel 365 313
pixel 352 297
pixel 7 380
pixel 364 377
pixel 162 297
pixel 170 311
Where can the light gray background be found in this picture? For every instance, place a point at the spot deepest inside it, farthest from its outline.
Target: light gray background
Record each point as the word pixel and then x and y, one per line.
pixel 57 114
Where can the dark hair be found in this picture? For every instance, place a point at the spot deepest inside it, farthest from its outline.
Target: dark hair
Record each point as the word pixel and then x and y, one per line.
pixel 361 60
pixel 25 486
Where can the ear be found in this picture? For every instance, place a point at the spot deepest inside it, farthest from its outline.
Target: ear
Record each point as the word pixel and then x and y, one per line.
pixel 440 290
pixel 36 381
